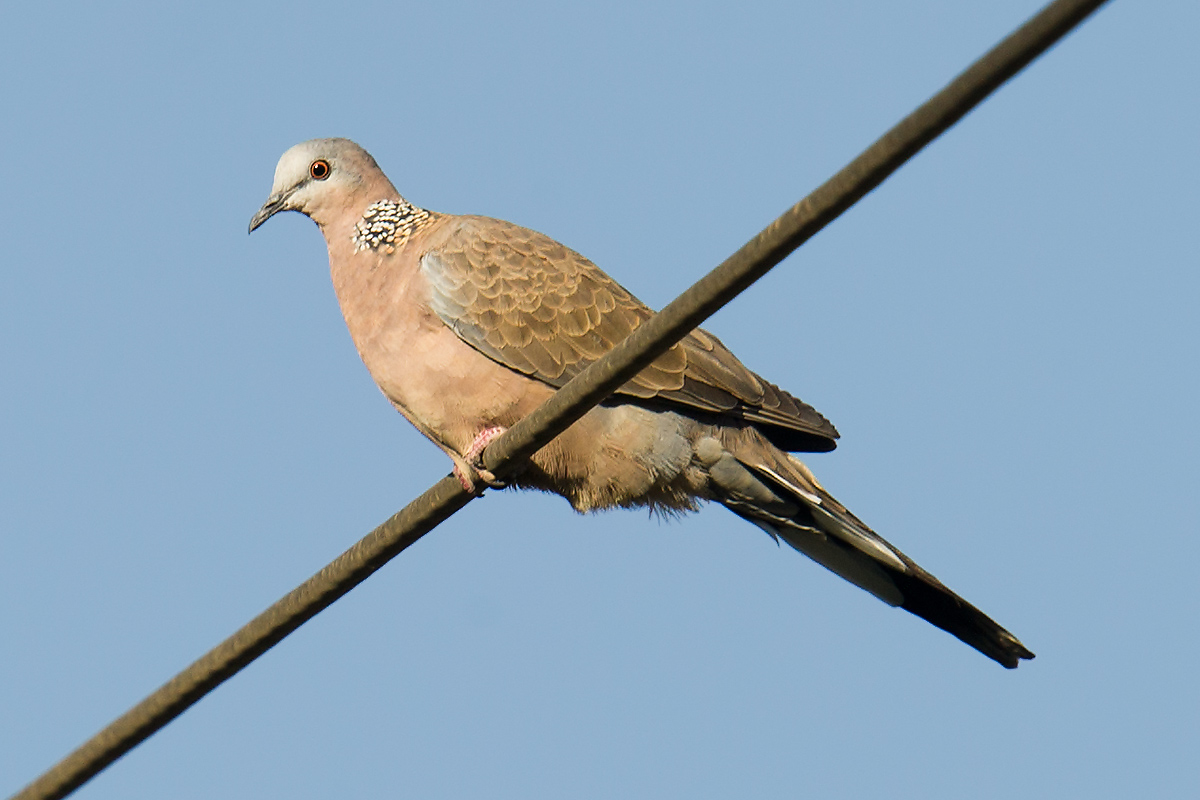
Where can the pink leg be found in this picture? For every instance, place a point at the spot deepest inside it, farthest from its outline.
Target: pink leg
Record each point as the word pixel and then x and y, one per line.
pixel 473 463
pixel 463 478
pixel 481 441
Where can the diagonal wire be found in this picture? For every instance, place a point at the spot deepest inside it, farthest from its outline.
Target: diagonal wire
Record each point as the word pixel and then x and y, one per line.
pixel 647 342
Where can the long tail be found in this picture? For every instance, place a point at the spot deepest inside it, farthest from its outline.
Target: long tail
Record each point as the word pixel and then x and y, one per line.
pixel 778 493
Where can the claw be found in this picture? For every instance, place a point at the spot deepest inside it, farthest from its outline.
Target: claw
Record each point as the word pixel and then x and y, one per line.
pixel 472 462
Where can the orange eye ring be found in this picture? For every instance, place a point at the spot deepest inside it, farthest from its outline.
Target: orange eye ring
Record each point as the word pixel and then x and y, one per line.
pixel 319 169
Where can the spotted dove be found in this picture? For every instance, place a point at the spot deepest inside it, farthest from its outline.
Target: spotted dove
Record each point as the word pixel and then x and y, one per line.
pixel 467 324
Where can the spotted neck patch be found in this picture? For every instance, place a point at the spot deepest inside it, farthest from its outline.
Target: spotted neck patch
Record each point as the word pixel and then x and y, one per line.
pixel 388 224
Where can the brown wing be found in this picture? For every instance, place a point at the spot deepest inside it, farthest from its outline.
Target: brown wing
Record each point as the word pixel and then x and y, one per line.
pixel 542 309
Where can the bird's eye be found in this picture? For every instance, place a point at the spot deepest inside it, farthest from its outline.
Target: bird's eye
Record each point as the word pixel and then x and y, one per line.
pixel 319 169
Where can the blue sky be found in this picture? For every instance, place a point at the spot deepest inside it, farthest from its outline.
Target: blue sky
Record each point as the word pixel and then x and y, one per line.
pixel 1005 334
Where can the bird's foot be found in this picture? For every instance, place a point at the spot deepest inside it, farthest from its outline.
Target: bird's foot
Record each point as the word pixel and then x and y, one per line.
pixel 472 463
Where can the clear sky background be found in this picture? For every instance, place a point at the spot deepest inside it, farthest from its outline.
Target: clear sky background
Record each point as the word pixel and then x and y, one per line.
pixel 1005 334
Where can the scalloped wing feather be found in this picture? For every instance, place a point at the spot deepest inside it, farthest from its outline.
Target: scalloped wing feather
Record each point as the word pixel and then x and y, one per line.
pixel 534 305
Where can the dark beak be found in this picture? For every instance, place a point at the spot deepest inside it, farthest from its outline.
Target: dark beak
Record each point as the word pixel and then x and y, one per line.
pixel 275 204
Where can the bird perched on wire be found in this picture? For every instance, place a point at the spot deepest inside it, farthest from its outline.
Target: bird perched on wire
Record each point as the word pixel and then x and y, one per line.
pixel 467 324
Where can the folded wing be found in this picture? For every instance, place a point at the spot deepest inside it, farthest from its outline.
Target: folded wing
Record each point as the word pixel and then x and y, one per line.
pixel 542 309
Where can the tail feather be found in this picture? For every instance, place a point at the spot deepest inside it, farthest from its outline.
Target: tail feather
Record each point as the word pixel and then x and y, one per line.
pixel 929 599
pixel 820 527
pixel 916 591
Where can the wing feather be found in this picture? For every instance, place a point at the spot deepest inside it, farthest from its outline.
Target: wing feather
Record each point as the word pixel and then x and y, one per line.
pixel 537 307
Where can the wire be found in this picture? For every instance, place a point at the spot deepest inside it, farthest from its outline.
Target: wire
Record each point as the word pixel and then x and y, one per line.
pixel 647 342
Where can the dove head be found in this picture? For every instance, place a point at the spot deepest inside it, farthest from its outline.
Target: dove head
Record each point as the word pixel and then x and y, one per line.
pixel 324 179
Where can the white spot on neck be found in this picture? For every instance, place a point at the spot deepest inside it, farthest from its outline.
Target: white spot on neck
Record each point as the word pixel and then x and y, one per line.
pixel 388 224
